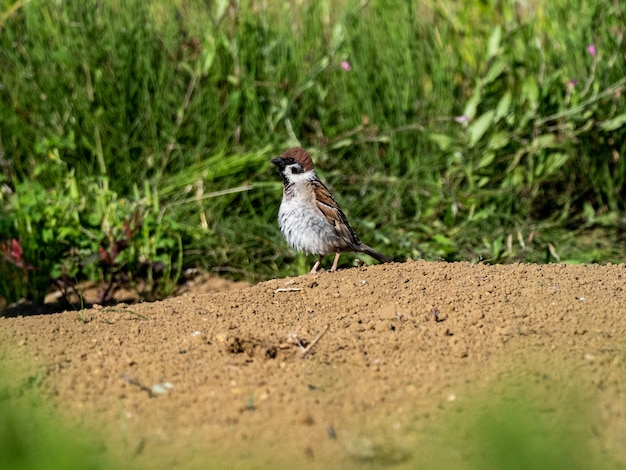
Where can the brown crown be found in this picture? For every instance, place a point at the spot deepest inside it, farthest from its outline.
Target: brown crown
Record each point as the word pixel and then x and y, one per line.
pixel 300 156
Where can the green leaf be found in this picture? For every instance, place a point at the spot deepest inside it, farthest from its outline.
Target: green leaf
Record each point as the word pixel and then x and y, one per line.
pixel 483 181
pixel 472 104
pixel 477 129
pixel 517 178
pixel 342 143
pixel 338 37
pixel 444 142
pixel 496 248
pixel 208 54
pixel 544 141
pixel 47 235
pixel 220 10
pixel 498 140
pixel 67 233
pixel 442 240
pixel 56 271
pixel 504 105
pixel 494 42
pixel 530 91
pixel 614 124
pixel 494 71
pixel 556 161
pixel 234 98
pixel 486 160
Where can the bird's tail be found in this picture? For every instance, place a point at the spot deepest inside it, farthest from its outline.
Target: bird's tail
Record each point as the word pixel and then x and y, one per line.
pixel 368 250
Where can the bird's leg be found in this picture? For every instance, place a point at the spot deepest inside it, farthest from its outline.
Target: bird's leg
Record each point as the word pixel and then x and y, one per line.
pixel 316 265
pixel 334 268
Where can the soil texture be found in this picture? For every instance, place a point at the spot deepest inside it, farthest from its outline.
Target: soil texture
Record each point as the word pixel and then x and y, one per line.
pixel 389 365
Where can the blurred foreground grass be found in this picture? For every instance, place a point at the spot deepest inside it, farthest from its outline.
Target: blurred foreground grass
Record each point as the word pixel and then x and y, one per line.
pixel 135 136
pixel 504 428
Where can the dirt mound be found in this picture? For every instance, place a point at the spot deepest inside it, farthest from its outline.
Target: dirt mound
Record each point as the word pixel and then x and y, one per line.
pixel 343 369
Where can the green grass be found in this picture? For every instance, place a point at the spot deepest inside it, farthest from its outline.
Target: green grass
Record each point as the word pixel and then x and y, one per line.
pixel 27 447
pixel 463 130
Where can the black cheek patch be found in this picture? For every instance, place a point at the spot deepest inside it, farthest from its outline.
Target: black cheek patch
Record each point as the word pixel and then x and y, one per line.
pixel 297 169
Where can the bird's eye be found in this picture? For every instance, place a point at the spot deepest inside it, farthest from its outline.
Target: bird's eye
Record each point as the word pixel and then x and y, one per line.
pixel 290 161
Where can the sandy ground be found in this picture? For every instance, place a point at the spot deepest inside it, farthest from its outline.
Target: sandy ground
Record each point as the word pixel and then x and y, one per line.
pixel 393 365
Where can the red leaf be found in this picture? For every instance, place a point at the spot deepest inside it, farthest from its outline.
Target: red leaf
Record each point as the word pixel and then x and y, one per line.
pixel 16 251
pixel 104 255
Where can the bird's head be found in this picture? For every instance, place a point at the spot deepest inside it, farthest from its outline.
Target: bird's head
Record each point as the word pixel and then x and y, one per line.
pixel 293 163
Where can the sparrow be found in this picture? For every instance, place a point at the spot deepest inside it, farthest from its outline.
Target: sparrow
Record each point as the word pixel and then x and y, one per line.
pixel 309 217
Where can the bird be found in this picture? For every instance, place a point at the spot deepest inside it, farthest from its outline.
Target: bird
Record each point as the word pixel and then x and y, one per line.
pixel 309 217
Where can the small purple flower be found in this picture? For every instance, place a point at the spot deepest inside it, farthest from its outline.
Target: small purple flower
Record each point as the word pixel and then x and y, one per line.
pixel 346 65
pixel 461 119
pixel 592 50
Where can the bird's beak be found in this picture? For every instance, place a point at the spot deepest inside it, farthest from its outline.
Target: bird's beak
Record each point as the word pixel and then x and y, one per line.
pixel 279 162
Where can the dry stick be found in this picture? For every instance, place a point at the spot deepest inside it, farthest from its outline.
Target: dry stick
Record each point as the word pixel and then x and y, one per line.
pixel 314 342
pixel 133 381
pixel 125 310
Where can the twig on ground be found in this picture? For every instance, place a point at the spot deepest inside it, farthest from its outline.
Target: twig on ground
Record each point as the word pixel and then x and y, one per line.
pixel 133 381
pixel 125 310
pixel 308 349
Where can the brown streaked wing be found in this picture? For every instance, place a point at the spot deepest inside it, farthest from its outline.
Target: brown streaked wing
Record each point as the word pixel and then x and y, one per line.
pixel 329 207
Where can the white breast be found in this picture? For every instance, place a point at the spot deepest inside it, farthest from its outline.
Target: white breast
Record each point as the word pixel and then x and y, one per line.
pixel 303 225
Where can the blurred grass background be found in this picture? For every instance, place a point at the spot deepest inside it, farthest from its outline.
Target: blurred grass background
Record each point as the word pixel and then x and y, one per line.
pixel 135 137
